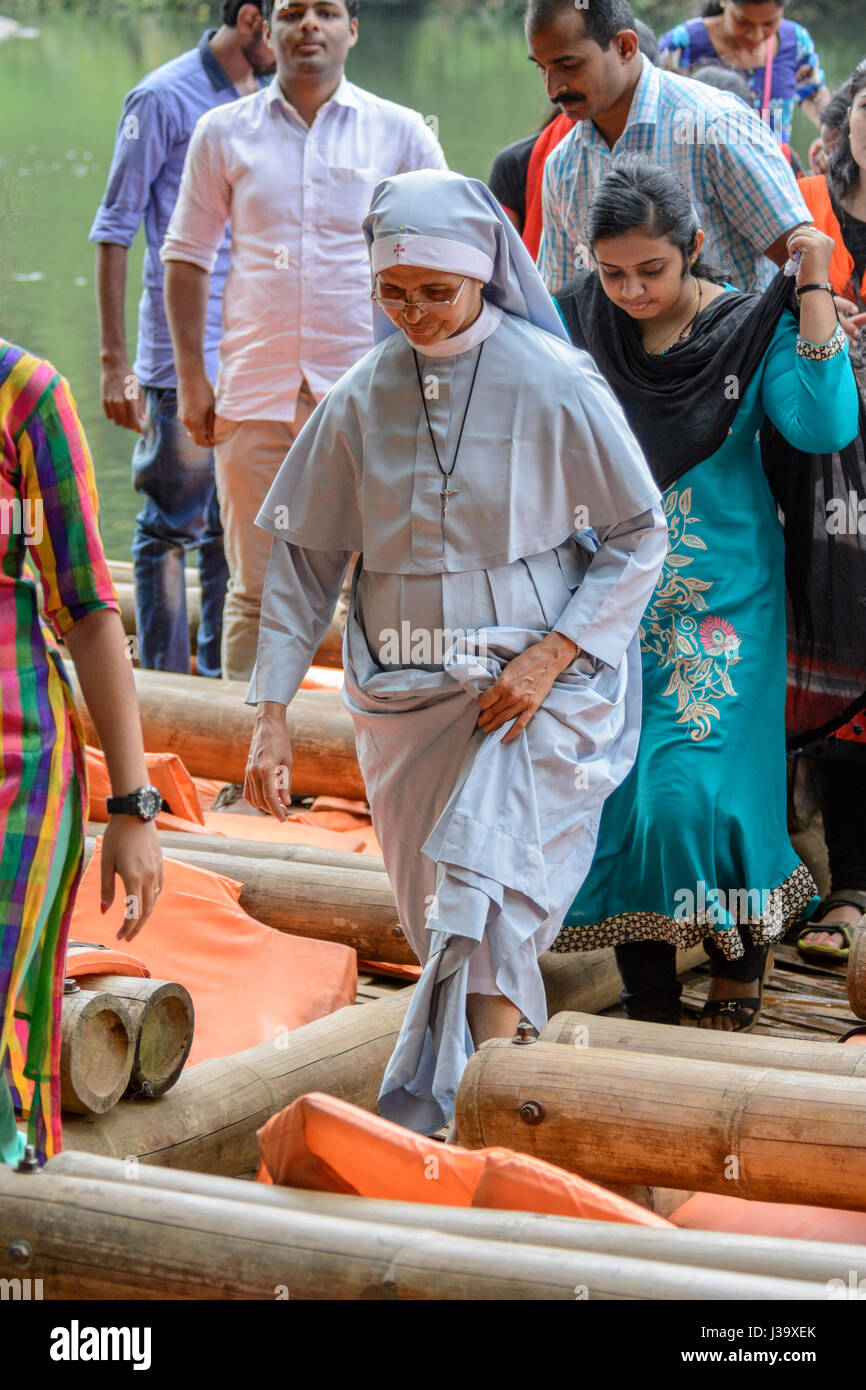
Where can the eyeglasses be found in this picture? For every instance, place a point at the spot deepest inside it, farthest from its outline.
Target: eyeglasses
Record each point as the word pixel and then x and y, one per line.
pixel 396 301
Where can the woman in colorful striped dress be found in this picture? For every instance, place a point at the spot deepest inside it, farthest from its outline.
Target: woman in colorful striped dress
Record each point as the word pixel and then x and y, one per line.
pixel 48 516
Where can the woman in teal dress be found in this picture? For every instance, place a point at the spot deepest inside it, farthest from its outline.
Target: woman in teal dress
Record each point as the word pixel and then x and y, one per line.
pixel 693 845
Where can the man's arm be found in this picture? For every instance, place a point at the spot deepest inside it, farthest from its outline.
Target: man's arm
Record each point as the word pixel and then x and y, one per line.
pixel 189 252
pixel 187 287
pixel 422 149
pixel 121 393
pixel 143 139
pixel 754 183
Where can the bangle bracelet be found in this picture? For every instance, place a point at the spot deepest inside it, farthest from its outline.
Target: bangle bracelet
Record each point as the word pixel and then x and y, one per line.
pixel 800 290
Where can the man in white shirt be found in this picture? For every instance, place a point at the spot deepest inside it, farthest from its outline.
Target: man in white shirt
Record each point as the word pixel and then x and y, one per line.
pixel 292 170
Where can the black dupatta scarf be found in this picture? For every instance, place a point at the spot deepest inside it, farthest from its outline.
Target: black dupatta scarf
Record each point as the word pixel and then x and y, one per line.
pixel 681 406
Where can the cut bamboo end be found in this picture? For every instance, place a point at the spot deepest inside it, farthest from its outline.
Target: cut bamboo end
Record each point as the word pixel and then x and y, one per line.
pixel 857 973
pixel 96 1052
pixel 164 1019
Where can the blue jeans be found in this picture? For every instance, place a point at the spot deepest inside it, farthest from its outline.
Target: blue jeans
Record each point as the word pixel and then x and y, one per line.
pixel 180 513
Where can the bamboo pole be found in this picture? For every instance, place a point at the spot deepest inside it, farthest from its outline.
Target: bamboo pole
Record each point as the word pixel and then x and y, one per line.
pixel 96 1051
pixel 212 736
pixel 94 1240
pixel 123 572
pixel 615 1116
pixel 704 1044
pixel 351 906
pixel 236 690
pixel 752 1254
pixel 330 651
pixel 208 1121
pixel 229 847
pixel 163 1019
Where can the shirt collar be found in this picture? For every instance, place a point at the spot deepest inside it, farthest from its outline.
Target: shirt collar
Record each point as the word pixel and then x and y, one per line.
pixel 488 320
pixel 345 95
pixel 644 108
pixel 215 73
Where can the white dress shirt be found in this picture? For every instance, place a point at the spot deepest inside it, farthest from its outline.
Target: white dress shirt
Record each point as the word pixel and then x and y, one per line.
pixel 297 297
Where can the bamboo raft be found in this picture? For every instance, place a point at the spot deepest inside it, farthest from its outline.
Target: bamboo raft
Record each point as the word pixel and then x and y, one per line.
pixel 648 1111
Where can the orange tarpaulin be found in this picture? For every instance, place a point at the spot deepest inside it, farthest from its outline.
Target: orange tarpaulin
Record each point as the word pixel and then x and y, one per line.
pixel 249 984
pixel 706 1211
pixel 89 960
pixel 332 828
pixel 323 678
pixel 328 1145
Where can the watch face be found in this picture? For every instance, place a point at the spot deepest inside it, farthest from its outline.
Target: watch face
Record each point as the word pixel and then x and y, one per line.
pixel 149 803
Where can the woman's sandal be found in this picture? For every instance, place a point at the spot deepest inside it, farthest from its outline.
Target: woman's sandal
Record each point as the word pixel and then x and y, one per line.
pixel 744 1012
pixel 846 897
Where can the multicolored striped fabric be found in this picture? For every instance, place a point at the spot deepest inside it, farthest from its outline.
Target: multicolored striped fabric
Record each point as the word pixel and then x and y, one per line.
pixel 49 515
pixel 740 182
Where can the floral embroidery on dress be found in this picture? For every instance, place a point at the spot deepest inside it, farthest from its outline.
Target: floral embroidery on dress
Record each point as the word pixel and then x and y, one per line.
pixel 700 655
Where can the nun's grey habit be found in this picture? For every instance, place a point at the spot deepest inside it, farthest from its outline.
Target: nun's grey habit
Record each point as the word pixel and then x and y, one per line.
pixel 556 524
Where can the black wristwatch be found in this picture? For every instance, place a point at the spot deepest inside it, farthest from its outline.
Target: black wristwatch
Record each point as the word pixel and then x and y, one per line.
pixel 146 803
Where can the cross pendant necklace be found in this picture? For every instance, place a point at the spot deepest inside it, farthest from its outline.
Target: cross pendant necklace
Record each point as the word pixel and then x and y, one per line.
pixel 445 494
pixel 446 491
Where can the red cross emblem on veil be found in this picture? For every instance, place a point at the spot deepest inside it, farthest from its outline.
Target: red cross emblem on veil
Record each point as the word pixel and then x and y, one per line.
pixel 399 249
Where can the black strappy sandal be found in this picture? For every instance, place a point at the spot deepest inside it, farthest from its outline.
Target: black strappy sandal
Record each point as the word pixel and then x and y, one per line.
pixel 744 1012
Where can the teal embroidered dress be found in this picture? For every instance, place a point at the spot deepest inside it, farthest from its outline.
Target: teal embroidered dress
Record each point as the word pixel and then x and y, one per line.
pixel 695 839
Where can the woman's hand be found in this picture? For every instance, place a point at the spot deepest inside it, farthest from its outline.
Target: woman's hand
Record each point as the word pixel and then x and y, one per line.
pixel 850 317
pixel 131 848
pixel 268 781
pixel 816 250
pixel 524 685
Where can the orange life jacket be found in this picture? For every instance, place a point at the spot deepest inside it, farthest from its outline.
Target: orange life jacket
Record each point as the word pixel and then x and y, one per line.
pixel 817 197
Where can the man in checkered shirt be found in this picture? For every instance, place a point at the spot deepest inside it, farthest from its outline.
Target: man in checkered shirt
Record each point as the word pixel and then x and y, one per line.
pixel 740 182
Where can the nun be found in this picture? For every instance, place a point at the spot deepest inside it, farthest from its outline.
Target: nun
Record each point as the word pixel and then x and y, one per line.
pixel 510 538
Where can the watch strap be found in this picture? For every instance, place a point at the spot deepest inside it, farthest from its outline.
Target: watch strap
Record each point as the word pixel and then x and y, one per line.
pixel 128 805
pixel 800 290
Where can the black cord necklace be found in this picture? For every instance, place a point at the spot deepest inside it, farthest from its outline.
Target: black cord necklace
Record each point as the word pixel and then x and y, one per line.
pixel 446 474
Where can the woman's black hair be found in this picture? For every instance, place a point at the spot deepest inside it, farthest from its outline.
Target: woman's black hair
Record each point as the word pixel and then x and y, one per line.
pixel 636 194
pixel 835 113
pixel 843 171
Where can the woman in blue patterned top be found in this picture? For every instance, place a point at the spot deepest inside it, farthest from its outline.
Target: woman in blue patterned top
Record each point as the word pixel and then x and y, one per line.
pixel 693 845
pixel 739 34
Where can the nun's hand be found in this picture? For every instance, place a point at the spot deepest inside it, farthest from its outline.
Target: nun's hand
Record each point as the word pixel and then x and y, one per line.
pixel 268 781
pixel 524 685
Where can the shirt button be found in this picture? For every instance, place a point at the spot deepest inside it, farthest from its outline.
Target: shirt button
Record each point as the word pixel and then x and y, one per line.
pixel 308 226
pixel 306 275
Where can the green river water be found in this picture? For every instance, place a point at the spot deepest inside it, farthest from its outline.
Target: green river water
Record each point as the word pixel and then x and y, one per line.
pixel 60 97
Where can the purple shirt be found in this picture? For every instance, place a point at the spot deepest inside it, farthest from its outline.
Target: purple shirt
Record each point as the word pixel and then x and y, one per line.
pixel 156 123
